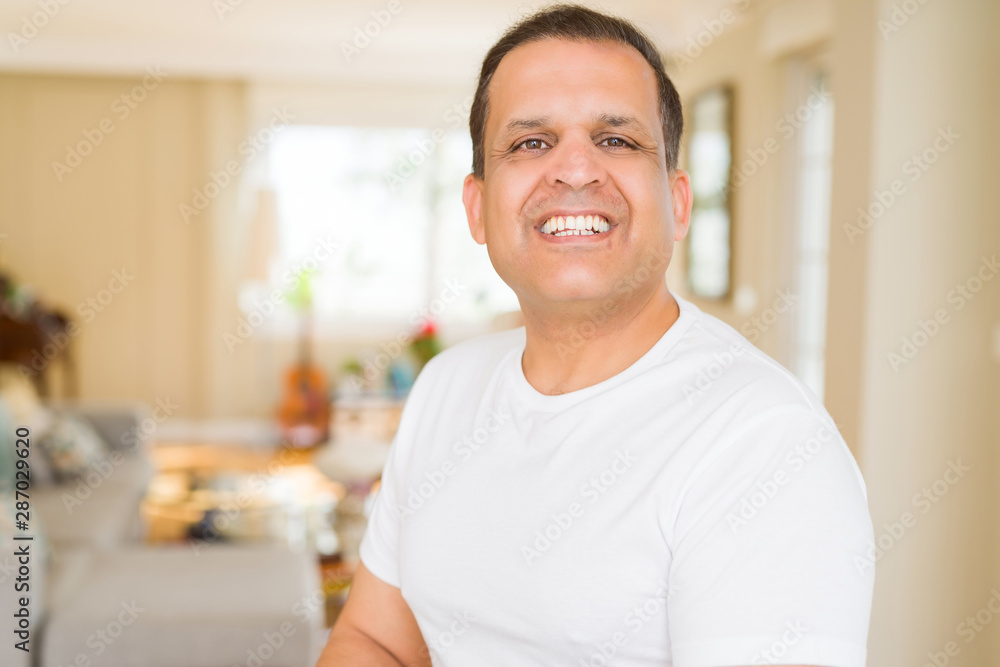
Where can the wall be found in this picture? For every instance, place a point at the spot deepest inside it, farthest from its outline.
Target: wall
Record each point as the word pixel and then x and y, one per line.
pixel 162 336
pixel 69 230
pixel 941 405
pixel 749 57
pixel 893 92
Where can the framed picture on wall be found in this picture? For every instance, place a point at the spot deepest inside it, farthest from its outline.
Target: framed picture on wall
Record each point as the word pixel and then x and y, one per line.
pixel 709 158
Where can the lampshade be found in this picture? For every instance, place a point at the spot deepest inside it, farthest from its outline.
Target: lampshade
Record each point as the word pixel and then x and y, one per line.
pixel 264 236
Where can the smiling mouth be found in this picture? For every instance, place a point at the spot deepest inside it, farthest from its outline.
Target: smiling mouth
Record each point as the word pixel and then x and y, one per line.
pixel 575 225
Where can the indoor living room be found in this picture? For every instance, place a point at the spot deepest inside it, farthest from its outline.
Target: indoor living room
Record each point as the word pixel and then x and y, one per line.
pixel 232 236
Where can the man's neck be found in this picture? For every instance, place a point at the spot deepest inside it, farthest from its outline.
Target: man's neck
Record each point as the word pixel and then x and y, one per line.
pixel 566 353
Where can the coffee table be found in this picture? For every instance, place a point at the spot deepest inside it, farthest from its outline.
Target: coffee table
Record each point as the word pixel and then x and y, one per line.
pixel 226 493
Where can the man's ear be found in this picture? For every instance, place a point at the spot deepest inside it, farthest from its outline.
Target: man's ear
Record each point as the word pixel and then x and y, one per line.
pixel 680 193
pixel 472 197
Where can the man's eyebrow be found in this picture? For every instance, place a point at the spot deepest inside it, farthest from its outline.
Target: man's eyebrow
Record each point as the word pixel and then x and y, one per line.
pixel 517 124
pixel 608 119
pixel 621 121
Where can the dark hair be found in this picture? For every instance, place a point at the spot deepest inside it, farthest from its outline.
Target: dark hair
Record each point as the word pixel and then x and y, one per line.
pixel 575 23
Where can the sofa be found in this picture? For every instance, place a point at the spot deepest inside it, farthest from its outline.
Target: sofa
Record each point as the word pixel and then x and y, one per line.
pixel 101 508
pixel 100 596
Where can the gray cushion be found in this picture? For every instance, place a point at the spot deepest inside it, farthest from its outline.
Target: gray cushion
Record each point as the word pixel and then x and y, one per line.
pixel 119 423
pixel 107 517
pixel 71 445
pixel 68 570
pixel 175 607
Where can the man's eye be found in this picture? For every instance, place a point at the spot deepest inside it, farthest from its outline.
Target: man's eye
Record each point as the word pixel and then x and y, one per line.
pixel 617 142
pixel 532 144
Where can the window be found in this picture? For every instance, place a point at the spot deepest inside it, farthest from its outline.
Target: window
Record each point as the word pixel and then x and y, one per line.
pixel 391 202
pixel 812 218
pixel 709 161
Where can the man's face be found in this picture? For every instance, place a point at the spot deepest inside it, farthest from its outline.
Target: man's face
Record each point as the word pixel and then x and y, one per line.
pixel 574 129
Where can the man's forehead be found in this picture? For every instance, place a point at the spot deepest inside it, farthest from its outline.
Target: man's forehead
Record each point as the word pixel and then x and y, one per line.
pixel 535 78
pixel 559 56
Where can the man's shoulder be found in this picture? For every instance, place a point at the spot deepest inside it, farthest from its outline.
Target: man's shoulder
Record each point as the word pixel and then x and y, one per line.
pixel 475 357
pixel 483 349
pixel 721 364
pixel 746 401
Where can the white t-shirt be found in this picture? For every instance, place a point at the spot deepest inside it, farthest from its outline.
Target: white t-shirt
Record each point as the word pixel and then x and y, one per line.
pixel 699 509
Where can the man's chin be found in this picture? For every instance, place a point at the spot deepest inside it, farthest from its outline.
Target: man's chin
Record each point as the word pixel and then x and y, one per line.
pixel 573 298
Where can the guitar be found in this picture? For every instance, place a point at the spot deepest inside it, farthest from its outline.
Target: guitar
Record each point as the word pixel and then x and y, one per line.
pixel 305 410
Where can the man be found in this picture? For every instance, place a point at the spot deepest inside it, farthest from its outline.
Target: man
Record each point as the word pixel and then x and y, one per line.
pixel 625 480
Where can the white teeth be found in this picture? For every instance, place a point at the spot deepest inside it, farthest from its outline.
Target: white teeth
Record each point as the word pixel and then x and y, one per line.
pixel 575 225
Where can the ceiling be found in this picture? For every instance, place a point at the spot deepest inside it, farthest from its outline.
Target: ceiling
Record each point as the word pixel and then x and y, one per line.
pixel 429 42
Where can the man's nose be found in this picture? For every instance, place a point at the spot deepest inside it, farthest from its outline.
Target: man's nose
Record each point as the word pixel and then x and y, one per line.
pixel 576 162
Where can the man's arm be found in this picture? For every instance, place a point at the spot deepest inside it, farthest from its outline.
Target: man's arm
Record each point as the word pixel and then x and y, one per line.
pixel 376 628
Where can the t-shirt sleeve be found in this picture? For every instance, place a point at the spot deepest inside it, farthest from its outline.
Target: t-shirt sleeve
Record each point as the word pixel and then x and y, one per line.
pixel 380 544
pixel 769 550
pixel 379 548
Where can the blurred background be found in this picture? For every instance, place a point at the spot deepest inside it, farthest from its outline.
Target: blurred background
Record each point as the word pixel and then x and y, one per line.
pixel 231 234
